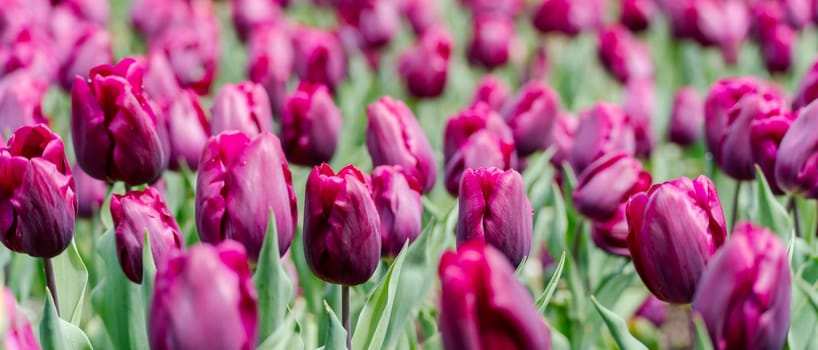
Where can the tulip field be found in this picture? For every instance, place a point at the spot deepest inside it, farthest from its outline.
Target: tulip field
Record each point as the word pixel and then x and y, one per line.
pixel 408 174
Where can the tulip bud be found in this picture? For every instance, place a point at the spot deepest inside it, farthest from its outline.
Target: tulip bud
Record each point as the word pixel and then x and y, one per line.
pixel 270 62
pixel 394 137
pixel 225 317
pixel 611 235
pixel 794 162
pixel 97 11
pixel 188 130
pixel 319 57
pixel 342 238
pixel 18 15
pixel 774 35
pixel 637 14
pixel 607 183
pixel 483 305
pixel 492 91
pixel 159 80
pixel 90 193
pixel 152 18
pixel 537 66
pixel 568 17
pixel 531 117
pixel 724 23
pixel 674 229
pixel 623 55
pixel 374 22
pixel 18 334
pixel 602 129
pixel 640 105
pixel 29 50
pixel 310 125
pixel 37 194
pixel 193 52
pixel 653 310
pixel 251 14
pixel 241 107
pixel 21 96
pixel 506 8
pixel 562 138
pixel 807 90
pixel 424 66
pixel 461 127
pixel 492 40
pixel 744 294
pixel 488 197
pixel 397 198
pixel 135 213
pixel 421 14
pixel 89 48
pixel 686 118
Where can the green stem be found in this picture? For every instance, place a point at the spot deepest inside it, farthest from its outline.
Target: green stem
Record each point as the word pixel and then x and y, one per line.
pixel 793 204
pixel 345 314
pixel 51 283
pixel 734 215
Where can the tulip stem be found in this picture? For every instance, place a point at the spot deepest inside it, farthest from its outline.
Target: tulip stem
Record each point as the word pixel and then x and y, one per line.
pixel 345 314
pixel 796 217
pixel 734 216
pixel 51 283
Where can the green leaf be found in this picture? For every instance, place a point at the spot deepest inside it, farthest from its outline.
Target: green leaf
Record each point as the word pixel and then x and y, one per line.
pixel 272 283
pixel 767 211
pixel 105 209
pixel 72 280
pixel 286 337
pixel 57 334
pixel 148 273
pixel 803 334
pixel 551 287
pixel 336 334
pixel 703 341
pixel 618 328
pixel 21 274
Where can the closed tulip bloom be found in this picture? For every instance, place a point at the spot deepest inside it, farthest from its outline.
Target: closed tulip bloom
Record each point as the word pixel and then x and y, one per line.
pixel 375 23
pixel 424 67
pixel 494 208
pixel 637 14
pixel 319 57
pixel 159 81
pixel 807 90
pixel 493 92
pixel 607 183
pixel 794 164
pixel 421 14
pixel 766 135
pixel 89 47
pixel 21 96
pixel 508 8
pixel 38 202
pixel 397 198
pixel 205 299
pixel 90 193
pixel 270 62
pixel 674 230
pixel 531 116
pixel 603 128
pixel 568 17
pixel 247 15
pixel 562 138
pixel 97 11
pixel 18 334
pixel 725 24
pixel 152 18
pixel 115 130
pixel 775 36
pixel 193 52
pixel 136 213
pixel 653 310
pixel 29 50
pixel 640 105
pixel 611 235
pixel 460 127
pixel 310 125
pixel 188 129
pixel 623 55
pixel 484 306
pixel 342 229
pixel 537 66
pixel 394 137
pixel 241 107
pixel 686 117
pixel 241 180
pixel 492 40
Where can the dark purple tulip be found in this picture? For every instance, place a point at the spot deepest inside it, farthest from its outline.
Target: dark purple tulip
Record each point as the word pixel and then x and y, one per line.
pixel 193 52
pixel 188 129
pixel 562 138
pixel 484 306
pixel 725 24
pixel 424 66
pixel 611 235
pixel 640 105
pixel 397 198
pixel 493 92
pixel 492 40
pixel 775 36
pixel 603 128
pixel 159 81
pixel 623 55
pixel 744 294
pixel 568 17
pixel 187 312
pixel 531 115
pixel 394 137
pixel 241 107
pixel 21 96
pixel 135 213
pixel 375 23
pixel 310 125
pixel 90 193
pixel 607 183
pixel 319 57
pixel 241 180
pixel 270 60
pixel 686 118
pixel 653 310
pixel 674 230
pixel 342 237
pixel 421 14
pixel 116 134
pixel 88 47
pixel 637 14
pixel 795 169
pixel 250 14
pixel 807 90
pixel 18 334
pixel 488 197
pixel 798 12
pixel 461 126
pixel 38 202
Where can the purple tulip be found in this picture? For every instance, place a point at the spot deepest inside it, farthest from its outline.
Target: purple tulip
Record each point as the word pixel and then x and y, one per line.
pixel 394 137
pixel 492 40
pixel 37 193
pixel 188 129
pixel 187 312
pixel 562 138
pixel 241 180
pixel 775 36
pixel 686 118
pixel 193 52
pixel 744 294
pixel 603 128
pixel 21 96
pixel 623 55
pixel 19 15
pixel 29 50
pixel 493 92
pixel 374 23
pixel 310 125
pixel 537 66
pixel 159 81
pixel 653 310
pixel 483 305
pixel 397 198
pixel 152 18
pixel 90 193
pixel 611 235
pixel 507 8
pixel 724 23
pixel 795 171
pixel 248 15
pixel 568 17
pixel 424 66
pixel 607 183
pixel 136 213
pixel 18 334
pixel 270 60
pixel 421 14
pixel 97 11
pixel 807 90
pixel 674 229
pixel 319 57
pixel 639 105
pixel 342 238
pixel 460 127
pixel 531 115
pixel 637 14
pixel 241 107
pixel 88 47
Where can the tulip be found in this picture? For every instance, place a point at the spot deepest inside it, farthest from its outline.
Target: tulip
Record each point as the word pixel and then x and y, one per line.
pixel 797 12
pixel 270 60
pixel 611 235
pixel 537 66
pixel 18 334
pixel 310 125
pixel 394 137
pixel 19 15
pixel 29 50
pixel 723 23
pixel 136 213
pixel 765 138
pixel 794 169
pixel 492 91
pixel 562 138
pixel 319 57
pixel 775 36
pixel 674 229
pixel 531 117
pixel 188 130
pixel 461 127
pixel 492 40
pixel 205 299
pixel 90 47
pixel 686 118
pixel 97 11
pixel 342 238
pixel 637 14
pixel 623 55
pixel 397 198
pixel 744 294
pixel 152 18
pixel 160 81
pixel 375 23
pixel 506 8
pixel 653 310
pixel 602 129
pixel 487 198
pixel 37 193
pixel 193 52
pixel 241 180
pixel 90 193
pixel 424 66
pixel 639 105
pixel 21 95
pixel 248 15
pixel 241 107
pixel 421 14
pixel 807 90
pixel 568 17
pixel 483 305
pixel 607 183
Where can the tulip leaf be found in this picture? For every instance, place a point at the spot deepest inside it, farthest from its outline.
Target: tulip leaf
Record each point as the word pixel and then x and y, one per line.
pixel 57 334
pixel 767 211
pixel 703 341
pixel 21 274
pixel 336 334
pixel 71 277
pixel 803 324
pixel 105 209
pixel 618 328
pixel 286 337
pixel 275 289
pixel 551 287
pixel 148 273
